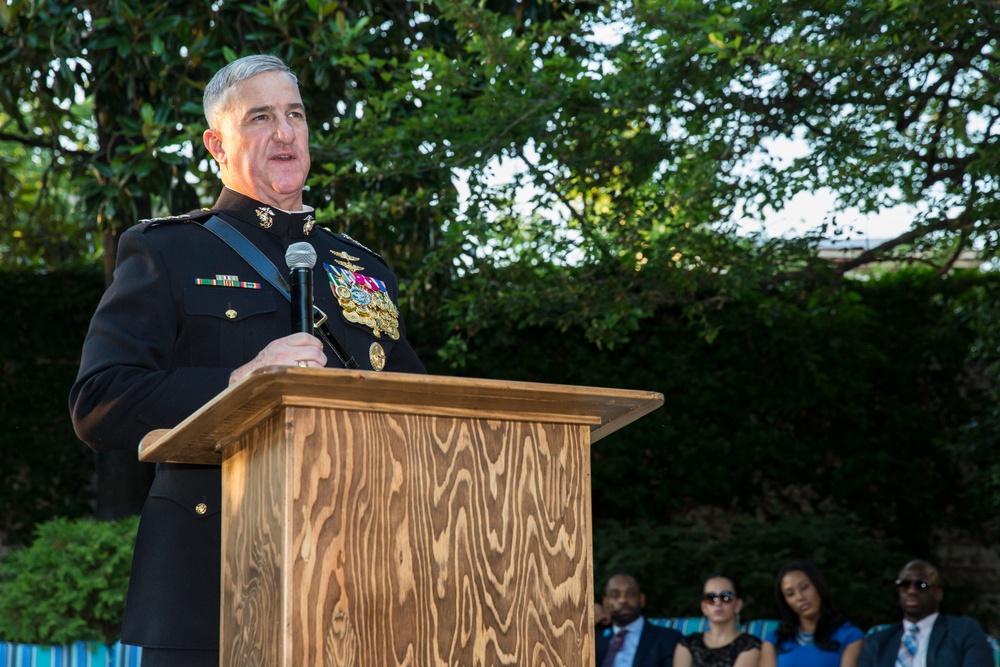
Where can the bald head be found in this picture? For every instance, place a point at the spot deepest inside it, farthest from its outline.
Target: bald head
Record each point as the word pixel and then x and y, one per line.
pixel 920 590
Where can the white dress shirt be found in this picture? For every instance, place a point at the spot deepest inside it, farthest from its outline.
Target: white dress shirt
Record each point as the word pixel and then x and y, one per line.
pixel 626 655
pixel 925 624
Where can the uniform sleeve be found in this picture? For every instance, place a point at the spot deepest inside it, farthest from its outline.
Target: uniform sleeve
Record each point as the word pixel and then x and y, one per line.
pixel 129 381
pixel 404 359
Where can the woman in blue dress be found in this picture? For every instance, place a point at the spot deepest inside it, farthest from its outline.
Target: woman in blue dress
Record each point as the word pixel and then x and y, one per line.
pixel 810 632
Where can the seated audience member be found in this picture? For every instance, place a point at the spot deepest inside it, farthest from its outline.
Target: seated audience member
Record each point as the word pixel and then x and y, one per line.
pixel 602 619
pixel 633 642
pixel 926 638
pixel 810 632
pixel 723 645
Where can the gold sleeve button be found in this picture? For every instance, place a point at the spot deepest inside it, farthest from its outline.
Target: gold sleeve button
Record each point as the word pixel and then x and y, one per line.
pixel 200 508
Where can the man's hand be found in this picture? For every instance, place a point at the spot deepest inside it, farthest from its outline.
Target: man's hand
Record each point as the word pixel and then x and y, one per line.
pixel 299 349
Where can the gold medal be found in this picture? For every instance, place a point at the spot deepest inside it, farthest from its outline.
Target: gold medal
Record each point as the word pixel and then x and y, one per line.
pixel 364 301
pixel 376 355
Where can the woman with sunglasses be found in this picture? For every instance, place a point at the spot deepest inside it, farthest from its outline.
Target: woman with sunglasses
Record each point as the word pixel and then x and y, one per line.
pixel 723 645
pixel 810 633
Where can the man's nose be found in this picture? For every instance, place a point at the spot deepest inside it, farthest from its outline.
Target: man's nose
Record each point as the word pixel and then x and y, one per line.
pixel 285 131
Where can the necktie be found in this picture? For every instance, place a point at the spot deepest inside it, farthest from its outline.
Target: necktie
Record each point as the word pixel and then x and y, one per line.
pixel 615 646
pixel 908 648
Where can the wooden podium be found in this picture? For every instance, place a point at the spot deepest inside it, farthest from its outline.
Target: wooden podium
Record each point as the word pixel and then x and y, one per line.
pixel 382 519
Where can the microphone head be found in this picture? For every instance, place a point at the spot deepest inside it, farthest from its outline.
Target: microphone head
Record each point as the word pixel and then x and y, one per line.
pixel 300 255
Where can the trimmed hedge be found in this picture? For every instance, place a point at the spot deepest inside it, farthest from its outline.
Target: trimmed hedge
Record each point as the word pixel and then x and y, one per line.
pixel 46 471
pixel 69 584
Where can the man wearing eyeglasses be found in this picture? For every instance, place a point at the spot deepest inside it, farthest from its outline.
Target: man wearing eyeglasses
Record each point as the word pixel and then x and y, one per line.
pixel 925 637
pixel 632 641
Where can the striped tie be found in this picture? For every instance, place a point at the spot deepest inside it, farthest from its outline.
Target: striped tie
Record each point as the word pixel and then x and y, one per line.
pixel 908 648
pixel 614 648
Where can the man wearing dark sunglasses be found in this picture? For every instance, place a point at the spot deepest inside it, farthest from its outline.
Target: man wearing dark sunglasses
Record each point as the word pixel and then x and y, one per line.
pixel 632 640
pixel 925 637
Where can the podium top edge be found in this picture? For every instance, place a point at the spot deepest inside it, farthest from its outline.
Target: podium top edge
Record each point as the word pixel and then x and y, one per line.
pixel 604 410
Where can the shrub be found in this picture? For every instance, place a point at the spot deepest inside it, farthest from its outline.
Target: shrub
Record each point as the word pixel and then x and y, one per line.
pixel 69 584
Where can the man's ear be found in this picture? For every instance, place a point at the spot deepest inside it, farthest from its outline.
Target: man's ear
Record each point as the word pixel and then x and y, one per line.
pixel 213 142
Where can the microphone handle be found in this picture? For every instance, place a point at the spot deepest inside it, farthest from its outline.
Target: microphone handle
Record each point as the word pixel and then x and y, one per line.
pixel 302 300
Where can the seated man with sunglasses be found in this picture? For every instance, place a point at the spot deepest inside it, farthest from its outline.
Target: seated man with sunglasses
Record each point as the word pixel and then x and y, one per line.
pixel 926 638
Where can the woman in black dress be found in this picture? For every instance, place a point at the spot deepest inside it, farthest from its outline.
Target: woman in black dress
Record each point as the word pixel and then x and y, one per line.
pixel 723 645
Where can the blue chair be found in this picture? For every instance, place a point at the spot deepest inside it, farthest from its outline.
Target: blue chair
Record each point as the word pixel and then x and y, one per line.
pixel 76 654
pixel 762 627
pixel 688 625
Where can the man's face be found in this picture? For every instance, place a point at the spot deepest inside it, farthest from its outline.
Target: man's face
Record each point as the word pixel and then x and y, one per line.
pixel 623 599
pixel 918 602
pixel 261 140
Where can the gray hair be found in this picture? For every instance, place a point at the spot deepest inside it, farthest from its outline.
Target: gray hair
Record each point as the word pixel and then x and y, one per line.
pixel 239 70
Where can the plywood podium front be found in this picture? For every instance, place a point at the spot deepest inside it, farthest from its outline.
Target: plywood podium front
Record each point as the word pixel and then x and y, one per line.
pixel 387 519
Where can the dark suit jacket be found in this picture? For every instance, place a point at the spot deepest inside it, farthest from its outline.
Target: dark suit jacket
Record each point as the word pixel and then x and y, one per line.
pixel 656 646
pixel 956 641
pixel 163 342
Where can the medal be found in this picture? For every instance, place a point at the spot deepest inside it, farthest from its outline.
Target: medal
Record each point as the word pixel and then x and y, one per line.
pixel 376 355
pixel 364 300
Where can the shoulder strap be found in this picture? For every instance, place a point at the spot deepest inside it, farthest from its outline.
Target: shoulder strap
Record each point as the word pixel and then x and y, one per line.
pixel 266 268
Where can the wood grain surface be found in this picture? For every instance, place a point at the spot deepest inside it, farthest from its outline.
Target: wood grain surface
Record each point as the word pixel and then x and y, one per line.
pixel 203 435
pixel 378 539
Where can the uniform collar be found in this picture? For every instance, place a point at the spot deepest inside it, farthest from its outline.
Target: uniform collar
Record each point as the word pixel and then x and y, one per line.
pixel 294 224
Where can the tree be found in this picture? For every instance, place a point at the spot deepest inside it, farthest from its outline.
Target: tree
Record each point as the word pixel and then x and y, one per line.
pixel 635 156
pixel 101 101
pixel 638 156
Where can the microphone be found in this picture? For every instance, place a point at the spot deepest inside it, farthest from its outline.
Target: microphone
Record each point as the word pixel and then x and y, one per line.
pixel 301 258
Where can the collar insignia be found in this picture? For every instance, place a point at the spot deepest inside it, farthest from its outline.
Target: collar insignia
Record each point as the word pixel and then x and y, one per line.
pixel 266 216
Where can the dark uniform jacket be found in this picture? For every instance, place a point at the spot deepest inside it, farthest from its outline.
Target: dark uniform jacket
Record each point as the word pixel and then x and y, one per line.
pixel 956 641
pixel 184 310
pixel 655 649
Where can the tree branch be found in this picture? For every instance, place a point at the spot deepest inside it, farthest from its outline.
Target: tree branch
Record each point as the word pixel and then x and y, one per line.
pixel 32 142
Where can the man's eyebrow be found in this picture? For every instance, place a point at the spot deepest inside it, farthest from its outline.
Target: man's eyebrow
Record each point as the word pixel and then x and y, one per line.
pixel 255 110
pixel 270 107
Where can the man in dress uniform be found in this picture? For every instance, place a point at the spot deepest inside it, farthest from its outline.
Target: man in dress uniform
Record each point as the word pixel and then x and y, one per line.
pixel 186 316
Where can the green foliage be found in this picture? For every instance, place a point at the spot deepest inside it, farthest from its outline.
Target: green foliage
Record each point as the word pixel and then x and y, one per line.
pixel 69 584
pixel 611 257
pixel 847 406
pixel 117 133
pixel 671 561
pixel 630 187
pixel 46 471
